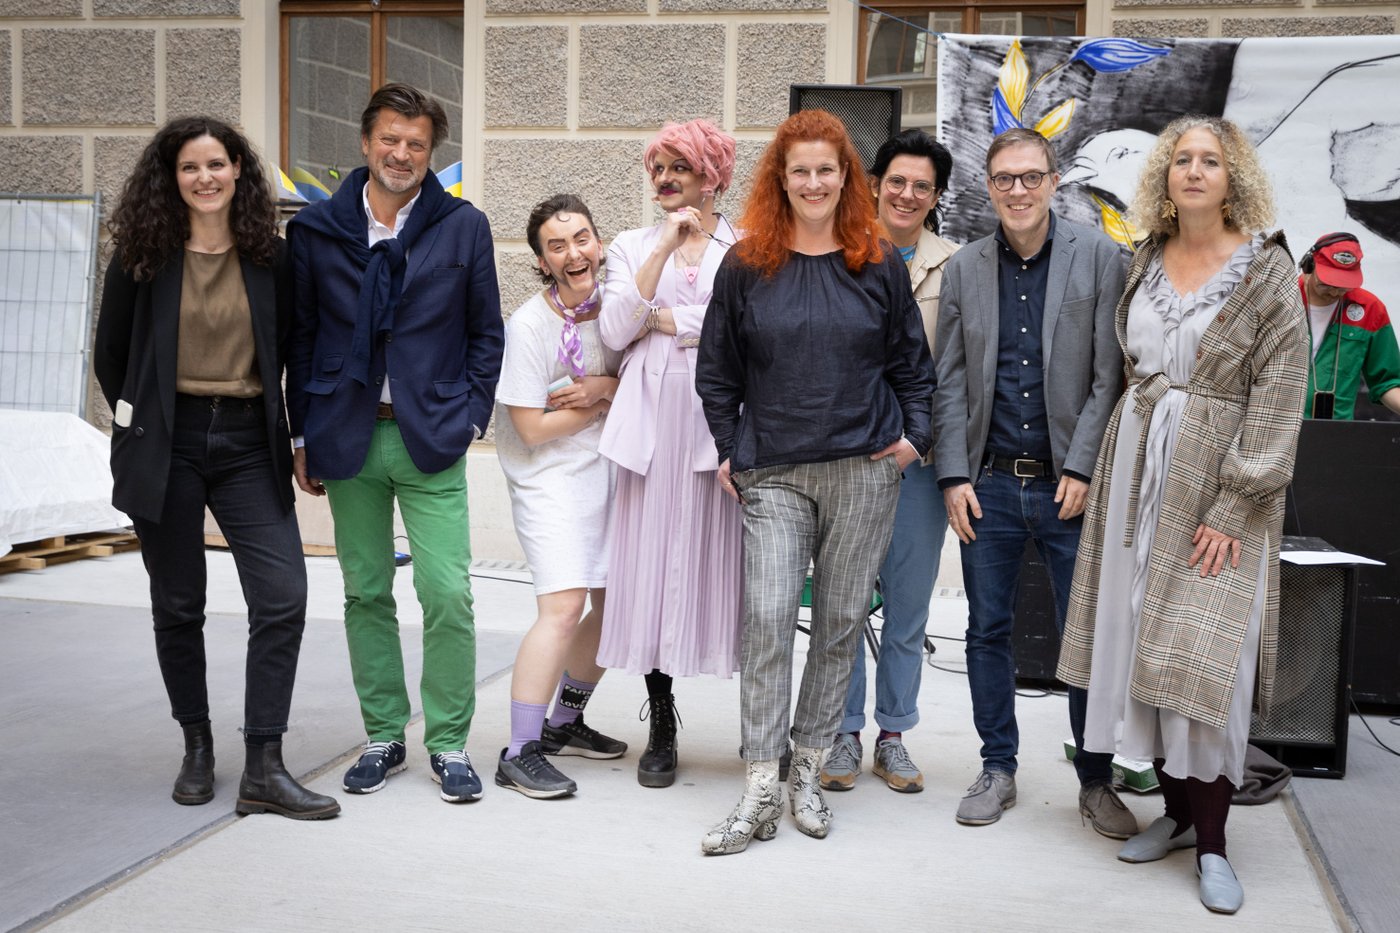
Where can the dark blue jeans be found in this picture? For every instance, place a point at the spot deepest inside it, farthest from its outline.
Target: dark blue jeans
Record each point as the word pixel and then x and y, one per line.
pixel 1013 511
pixel 220 458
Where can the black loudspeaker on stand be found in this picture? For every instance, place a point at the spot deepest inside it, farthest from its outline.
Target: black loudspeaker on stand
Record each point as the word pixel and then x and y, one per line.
pixel 870 114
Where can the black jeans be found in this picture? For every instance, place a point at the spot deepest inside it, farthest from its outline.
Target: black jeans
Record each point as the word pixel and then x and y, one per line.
pixel 220 458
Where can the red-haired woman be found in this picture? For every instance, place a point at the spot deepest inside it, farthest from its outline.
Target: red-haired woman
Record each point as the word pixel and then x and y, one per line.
pixel 816 381
pixel 674 566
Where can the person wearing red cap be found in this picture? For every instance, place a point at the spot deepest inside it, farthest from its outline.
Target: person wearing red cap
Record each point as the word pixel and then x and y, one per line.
pixel 1351 332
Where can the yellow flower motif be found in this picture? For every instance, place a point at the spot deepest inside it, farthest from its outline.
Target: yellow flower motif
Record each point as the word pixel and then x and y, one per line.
pixel 1057 120
pixel 1015 75
pixel 1117 226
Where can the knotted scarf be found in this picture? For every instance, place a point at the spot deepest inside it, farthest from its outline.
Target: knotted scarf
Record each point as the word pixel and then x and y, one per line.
pixel 343 219
pixel 570 341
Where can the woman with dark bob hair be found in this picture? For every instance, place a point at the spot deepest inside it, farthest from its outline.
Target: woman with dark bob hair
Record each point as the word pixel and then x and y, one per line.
pixel 189 354
pixel 1173 611
pixel 817 384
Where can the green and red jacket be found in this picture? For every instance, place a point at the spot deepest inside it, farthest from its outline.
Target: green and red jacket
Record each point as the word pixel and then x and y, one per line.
pixel 1368 349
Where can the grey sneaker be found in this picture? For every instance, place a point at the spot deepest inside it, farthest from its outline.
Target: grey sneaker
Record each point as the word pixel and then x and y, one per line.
pixel 1106 811
pixel 532 774
pixel 991 793
pixel 842 764
pixel 893 764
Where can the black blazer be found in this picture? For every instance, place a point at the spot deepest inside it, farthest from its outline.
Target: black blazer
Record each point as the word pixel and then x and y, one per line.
pixel 134 358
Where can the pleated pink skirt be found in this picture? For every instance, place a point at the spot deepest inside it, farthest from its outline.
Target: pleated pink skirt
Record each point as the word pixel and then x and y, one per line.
pixel 675 579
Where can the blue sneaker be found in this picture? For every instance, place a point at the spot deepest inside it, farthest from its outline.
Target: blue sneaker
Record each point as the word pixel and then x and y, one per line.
pixel 377 762
pixel 453 770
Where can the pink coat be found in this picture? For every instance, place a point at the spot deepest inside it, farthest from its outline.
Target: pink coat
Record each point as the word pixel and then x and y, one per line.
pixel 629 434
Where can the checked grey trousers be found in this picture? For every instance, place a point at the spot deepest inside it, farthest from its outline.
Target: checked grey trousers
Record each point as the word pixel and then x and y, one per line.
pixel 836 516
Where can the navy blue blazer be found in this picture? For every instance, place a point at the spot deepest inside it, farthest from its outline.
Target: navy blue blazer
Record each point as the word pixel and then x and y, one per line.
pixel 135 357
pixel 442 357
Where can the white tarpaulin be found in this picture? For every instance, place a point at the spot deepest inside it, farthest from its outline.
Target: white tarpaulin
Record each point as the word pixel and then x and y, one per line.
pixel 55 478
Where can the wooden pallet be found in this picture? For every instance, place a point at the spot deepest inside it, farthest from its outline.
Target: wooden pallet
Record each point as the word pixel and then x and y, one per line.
pixel 36 555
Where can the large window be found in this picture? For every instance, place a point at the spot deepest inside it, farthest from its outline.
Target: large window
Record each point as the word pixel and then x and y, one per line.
pixel 334 54
pixel 898 42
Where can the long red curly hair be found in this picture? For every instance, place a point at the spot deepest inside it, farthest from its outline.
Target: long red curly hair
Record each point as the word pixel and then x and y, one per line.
pixel 767 222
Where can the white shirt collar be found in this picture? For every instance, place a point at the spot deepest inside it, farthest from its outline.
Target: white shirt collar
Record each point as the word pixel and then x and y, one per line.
pixel 377 230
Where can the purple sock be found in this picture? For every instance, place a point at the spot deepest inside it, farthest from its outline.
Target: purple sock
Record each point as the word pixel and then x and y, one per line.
pixel 526 720
pixel 570 700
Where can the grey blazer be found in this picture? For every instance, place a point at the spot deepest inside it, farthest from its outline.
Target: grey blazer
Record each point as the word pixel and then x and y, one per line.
pixel 1083 364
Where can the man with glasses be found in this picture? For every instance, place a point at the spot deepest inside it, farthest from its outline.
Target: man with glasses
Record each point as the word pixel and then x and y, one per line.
pixel 1029 369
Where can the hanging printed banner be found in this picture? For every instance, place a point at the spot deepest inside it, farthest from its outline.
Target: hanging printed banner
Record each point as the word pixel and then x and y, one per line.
pixel 1324 113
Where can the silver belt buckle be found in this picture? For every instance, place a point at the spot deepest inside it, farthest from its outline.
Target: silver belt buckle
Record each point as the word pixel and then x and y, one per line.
pixel 1016 469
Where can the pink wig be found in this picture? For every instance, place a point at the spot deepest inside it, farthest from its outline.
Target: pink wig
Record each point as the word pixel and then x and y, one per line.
pixel 708 149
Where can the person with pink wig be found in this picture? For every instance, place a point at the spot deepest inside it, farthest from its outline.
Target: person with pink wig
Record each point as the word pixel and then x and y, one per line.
pixel 675 574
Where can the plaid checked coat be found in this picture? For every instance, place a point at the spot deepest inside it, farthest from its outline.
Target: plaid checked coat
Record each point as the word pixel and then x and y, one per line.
pixel 1233 461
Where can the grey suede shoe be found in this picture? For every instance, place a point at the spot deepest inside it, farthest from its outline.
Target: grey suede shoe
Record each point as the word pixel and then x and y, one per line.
pixel 989 795
pixel 843 763
pixel 1220 889
pixel 1105 811
pixel 1156 841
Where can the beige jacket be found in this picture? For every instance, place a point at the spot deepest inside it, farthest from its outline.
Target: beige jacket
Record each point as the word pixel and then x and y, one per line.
pixel 926 275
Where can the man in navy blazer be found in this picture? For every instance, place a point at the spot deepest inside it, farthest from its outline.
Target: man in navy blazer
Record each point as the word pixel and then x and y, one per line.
pixel 1029 369
pixel 395 350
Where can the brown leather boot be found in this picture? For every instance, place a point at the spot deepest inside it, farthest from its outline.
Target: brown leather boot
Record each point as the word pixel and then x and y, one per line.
pixel 268 788
pixel 195 783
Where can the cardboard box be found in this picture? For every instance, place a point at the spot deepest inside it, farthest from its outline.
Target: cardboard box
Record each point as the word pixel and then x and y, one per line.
pixel 1134 775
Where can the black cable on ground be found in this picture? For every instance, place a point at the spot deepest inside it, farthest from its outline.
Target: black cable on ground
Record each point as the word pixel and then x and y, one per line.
pixel 1392 721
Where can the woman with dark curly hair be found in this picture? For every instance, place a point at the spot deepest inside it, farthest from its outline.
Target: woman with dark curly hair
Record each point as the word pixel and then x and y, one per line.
pixel 817 384
pixel 1173 611
pixel 189 354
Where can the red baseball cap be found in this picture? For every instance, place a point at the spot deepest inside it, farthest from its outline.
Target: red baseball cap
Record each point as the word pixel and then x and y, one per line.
pixel 1338 263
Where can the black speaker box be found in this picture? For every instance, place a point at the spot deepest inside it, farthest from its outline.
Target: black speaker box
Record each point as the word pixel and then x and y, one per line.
pixel 870 114
pixel 1307 725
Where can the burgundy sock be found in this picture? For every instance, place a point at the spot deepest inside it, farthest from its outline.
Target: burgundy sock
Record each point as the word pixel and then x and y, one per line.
pixel 570 700
pixel 1174 794
pixel 526 721
pixel 885 735
pixel 1210 807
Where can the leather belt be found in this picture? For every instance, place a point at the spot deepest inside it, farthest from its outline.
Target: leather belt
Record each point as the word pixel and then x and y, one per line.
pixel 1022 467
pixel 385 412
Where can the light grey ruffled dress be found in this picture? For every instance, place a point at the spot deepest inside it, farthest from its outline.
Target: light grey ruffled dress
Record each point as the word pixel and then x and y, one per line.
pixel 1164 330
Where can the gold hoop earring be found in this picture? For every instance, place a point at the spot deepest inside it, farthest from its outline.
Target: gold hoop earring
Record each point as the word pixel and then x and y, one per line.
pixel 1168 209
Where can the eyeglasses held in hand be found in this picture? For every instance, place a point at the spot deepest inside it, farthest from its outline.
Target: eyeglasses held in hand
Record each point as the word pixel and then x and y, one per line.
pixel 895 184
pixel 1005 181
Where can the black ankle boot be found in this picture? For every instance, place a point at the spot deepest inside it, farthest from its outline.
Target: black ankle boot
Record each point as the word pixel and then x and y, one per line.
pixel 195 783
pixel 268 788
pixel 657 766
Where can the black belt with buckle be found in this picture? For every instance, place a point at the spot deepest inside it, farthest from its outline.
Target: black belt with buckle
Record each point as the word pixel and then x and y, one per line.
pixel 1022 467
pixel 385 412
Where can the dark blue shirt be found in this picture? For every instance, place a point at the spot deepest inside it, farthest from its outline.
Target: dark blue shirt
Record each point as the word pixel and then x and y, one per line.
pixel 1020 426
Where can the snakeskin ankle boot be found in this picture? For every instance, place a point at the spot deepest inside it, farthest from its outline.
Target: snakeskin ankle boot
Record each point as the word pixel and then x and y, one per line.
pixel 755 816
pixel 809 807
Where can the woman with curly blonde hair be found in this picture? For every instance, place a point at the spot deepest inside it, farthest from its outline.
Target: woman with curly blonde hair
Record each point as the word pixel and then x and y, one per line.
pixel 817 385
pixel 1174 606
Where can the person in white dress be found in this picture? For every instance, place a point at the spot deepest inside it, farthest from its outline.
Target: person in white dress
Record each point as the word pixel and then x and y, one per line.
pixel 557 384
pixel 1174 603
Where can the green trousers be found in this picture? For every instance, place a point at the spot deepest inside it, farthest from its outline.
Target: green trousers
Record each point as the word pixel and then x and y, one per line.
pixel 434 510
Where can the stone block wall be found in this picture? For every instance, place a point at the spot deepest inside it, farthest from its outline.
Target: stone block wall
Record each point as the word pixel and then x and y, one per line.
pixel 573 89
pixel 1200 19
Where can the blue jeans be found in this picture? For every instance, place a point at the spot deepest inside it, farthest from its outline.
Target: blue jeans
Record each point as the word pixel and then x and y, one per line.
pixel 906 584
pixel 1014 510
pixel 219 457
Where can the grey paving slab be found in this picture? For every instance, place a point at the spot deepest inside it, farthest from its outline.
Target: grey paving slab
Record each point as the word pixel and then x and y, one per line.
pixel 90 749
pixel 1356 824
pixel 622 857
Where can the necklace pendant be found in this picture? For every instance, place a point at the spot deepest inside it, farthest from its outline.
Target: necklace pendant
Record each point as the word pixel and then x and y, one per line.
pixel 691 273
